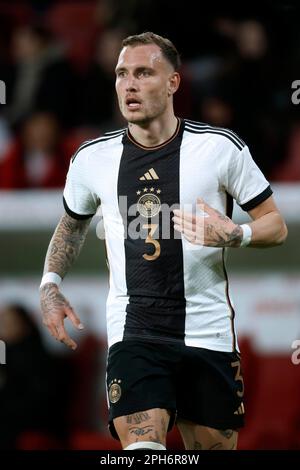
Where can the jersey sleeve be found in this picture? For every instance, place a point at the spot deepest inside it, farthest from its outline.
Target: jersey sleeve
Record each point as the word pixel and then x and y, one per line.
pixel 79 200
pixel 245 181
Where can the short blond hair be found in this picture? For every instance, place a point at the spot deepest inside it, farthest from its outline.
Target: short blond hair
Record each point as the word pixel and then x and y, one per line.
pixel 167 48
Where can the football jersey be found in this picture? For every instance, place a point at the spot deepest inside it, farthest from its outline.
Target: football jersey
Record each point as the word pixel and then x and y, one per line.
pixel 162 287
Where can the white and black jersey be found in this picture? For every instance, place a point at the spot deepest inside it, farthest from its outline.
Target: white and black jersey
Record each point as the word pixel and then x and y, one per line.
pixel 163 288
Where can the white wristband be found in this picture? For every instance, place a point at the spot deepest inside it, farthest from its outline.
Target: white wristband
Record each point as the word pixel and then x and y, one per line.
pixel 51 277
pixel 247 234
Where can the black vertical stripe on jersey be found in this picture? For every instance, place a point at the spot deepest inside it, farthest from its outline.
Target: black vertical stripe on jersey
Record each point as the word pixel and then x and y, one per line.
pixel 229 211
pixel 156 308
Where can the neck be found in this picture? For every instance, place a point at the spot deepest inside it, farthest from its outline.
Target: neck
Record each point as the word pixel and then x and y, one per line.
pixel 155 132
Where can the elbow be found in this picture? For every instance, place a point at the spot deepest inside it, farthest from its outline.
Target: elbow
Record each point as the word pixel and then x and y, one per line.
pixel 283 234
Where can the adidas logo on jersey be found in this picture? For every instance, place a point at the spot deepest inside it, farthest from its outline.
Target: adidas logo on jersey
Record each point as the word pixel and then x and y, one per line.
pixel 150 175
pixel 240 410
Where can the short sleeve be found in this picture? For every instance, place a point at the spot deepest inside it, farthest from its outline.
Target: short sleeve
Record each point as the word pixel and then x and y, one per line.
pixel 79 201
pixel 245 181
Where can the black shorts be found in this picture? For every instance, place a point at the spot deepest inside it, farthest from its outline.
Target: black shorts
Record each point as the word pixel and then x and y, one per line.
pixel 196 384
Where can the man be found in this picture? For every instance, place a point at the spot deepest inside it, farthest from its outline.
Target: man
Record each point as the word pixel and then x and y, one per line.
pixel 172 345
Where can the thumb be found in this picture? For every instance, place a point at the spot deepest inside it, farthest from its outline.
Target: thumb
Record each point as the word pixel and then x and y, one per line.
pixel 73 317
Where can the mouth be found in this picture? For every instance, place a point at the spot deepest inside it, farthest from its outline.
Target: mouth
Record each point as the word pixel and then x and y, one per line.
pixel 133 103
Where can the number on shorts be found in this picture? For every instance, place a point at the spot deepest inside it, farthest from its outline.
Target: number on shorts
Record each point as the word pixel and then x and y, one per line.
pixel 238 377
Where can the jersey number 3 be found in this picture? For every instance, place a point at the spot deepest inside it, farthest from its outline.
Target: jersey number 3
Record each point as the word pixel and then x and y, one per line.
pixel 151 240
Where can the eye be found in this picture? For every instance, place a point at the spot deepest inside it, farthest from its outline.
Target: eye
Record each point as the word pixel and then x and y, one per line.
pixel 144 73
pixel 121 74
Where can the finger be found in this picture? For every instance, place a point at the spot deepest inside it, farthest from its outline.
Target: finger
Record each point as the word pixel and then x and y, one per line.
pixel 73 317
pixel 178 228
pixel 184 229
pixel 177 220
pixel 184 215
pixel 68 342
pixel 186 224
pixel 191 235
pixel 194 236
pixel 53 331
pixel 190 232
pixel 177 212
pixel 203 206
pixel 65 338
pixel 190 239
pixel 180 213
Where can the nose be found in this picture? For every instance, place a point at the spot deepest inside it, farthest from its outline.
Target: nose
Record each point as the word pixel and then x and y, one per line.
pixel 131 84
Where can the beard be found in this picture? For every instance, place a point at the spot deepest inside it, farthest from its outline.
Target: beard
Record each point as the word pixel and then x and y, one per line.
pixel 144 116
pixel 142 119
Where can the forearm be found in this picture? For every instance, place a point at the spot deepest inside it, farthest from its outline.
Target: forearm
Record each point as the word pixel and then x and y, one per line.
pixel 63 250
pixel 65 245
pixel 218 230
pixel 268 230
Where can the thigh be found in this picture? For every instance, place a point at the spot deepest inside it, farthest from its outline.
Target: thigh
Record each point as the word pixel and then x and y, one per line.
pixel 140 384
pixel 149 425
pixel 197 437
pixel 210 392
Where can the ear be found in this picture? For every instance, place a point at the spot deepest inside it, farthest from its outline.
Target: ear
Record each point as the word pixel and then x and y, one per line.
pixel 173 85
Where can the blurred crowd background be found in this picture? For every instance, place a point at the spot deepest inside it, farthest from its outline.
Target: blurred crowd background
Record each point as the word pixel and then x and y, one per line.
pixel 58 58
pixel 57 61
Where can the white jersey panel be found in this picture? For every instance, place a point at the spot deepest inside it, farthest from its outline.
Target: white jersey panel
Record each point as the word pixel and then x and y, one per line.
pixel 117 299
pixel 77 193
pixel 241 176
pixel 208 314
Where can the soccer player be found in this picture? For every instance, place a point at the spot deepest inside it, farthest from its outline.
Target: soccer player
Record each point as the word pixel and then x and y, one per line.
pixel 173 352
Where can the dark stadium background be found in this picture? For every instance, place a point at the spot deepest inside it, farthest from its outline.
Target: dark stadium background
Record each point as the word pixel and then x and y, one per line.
pixel 57 59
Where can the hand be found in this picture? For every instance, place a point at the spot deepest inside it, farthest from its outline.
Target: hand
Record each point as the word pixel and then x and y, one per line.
pixel 211 228
pixel 55 308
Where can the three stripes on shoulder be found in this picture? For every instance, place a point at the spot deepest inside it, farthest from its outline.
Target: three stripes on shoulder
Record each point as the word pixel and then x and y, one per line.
pixel 107 136
pixel 201 128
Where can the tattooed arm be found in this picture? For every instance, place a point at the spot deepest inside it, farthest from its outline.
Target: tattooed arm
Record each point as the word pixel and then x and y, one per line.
pixel 217 230
pixel 63 250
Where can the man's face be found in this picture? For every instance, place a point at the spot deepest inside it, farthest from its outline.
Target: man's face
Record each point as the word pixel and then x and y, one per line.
pixel 143 82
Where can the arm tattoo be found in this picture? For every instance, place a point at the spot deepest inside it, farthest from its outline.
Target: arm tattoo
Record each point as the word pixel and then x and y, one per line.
pixel 235 237
pixel 223 239
pixel 66 244
pixel 51 298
